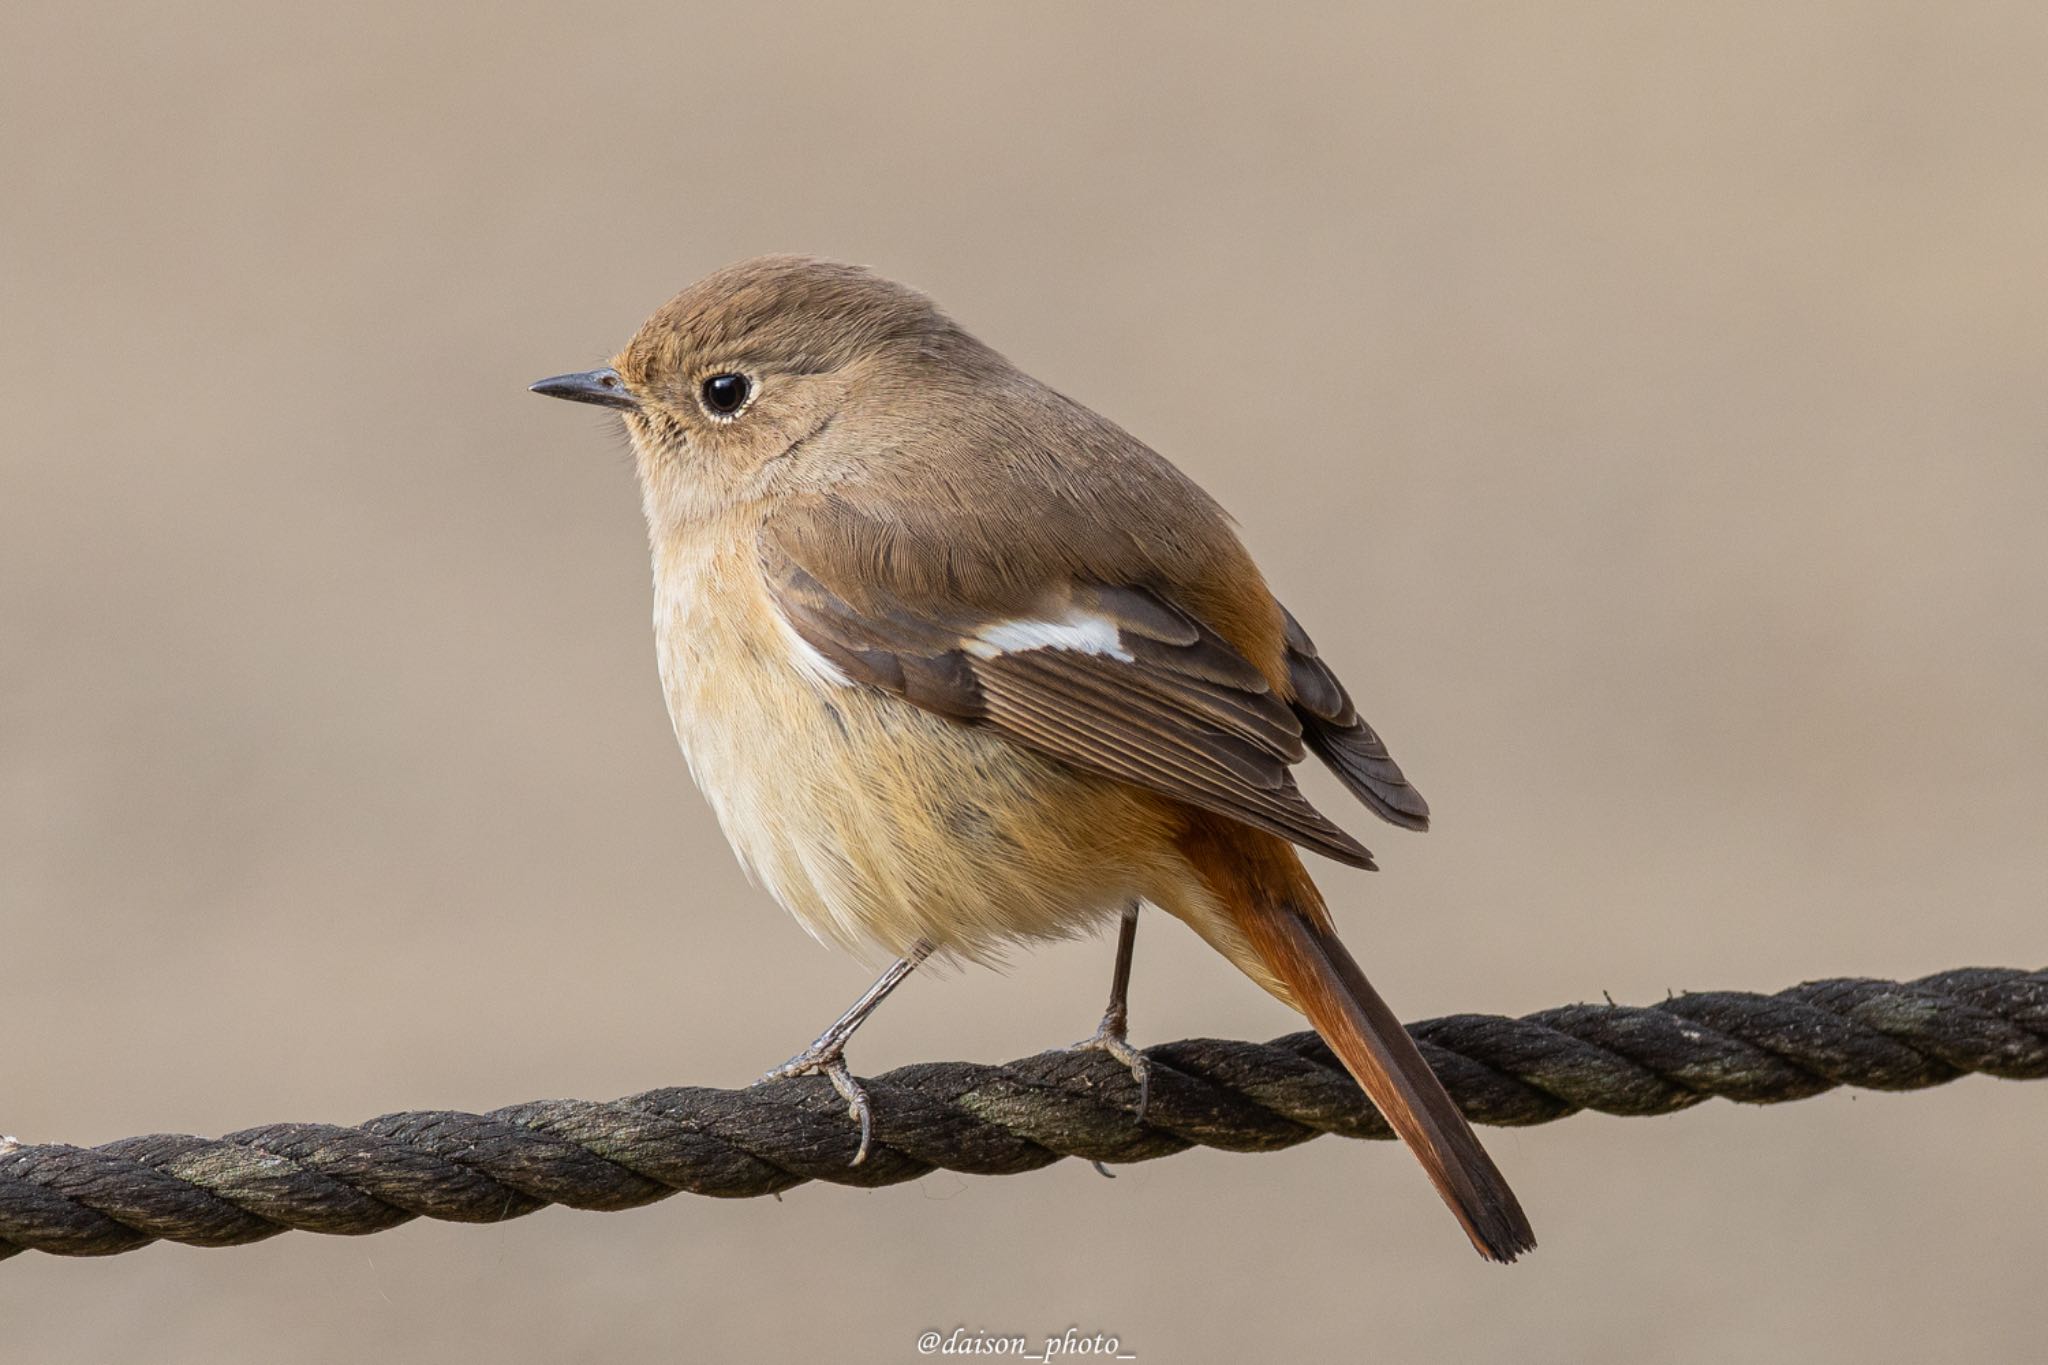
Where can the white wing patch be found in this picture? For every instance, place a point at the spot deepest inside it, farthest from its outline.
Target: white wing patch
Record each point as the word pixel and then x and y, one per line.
pixel 1083 632
pixel 806 658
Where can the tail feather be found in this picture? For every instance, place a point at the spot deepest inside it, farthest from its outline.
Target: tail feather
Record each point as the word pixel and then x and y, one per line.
pixel 1283 939
pixel 1376 1049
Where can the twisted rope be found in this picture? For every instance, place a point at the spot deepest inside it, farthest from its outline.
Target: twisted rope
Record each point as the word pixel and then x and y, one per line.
pixel 999 1120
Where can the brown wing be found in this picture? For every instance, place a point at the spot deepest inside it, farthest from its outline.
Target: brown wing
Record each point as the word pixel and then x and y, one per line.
pixel 1114 679
pixel 1342 739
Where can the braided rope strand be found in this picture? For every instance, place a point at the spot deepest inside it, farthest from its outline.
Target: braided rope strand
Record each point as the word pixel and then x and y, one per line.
pixel 1001 1120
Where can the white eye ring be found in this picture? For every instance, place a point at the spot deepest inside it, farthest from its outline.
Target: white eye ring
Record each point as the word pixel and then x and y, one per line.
pixel 725 395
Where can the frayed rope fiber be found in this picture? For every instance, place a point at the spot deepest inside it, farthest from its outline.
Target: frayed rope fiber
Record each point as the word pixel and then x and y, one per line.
pixel 1001 1120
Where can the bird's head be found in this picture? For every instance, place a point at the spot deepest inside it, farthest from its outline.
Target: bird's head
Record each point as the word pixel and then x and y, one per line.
pixel 756 362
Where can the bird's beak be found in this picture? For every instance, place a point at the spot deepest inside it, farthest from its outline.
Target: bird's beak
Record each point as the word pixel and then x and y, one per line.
pixel 603 387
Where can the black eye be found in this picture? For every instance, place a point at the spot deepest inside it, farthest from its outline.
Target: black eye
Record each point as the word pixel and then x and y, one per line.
pixel 724 394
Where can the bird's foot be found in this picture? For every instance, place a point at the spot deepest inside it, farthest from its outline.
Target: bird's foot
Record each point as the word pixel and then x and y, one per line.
pixel 1112 1035
pixel 827 1058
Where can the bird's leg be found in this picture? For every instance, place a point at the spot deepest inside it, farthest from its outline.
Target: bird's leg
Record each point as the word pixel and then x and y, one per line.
pixel 827 1055
pixel 1112 1035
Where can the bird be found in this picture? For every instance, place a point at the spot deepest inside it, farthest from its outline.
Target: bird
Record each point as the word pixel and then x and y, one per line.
pixel 961 665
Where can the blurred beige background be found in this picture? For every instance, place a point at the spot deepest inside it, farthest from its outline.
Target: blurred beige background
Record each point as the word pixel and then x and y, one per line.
pixel 1645 408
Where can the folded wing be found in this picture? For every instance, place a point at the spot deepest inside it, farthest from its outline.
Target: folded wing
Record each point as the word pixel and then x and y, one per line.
pixel 1115 679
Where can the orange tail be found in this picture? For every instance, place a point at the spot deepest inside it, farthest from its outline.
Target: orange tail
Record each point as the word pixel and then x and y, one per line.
pixel 1281 916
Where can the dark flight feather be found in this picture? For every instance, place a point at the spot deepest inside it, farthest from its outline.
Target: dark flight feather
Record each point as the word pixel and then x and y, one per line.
pixel 1342 739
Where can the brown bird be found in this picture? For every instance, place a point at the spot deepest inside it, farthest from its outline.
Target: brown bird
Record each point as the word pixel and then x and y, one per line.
pixel 961 664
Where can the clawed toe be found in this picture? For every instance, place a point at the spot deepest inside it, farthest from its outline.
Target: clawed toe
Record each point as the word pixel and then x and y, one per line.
pixel 826 1056
pixel 830 1062
pixel 1111 1038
